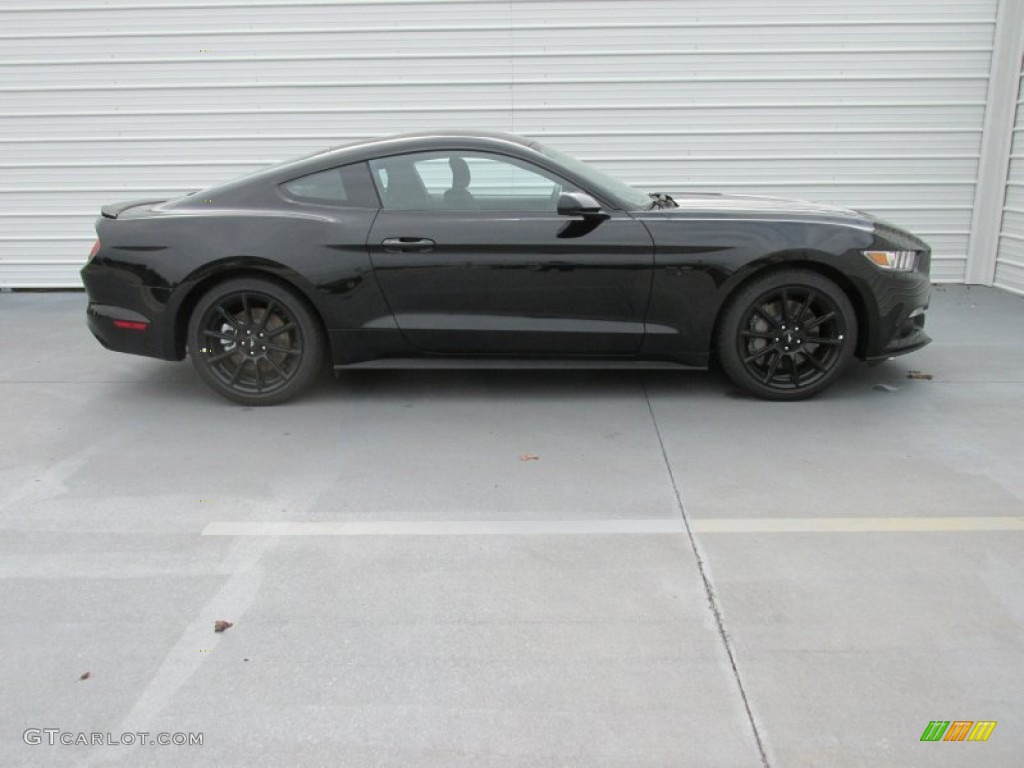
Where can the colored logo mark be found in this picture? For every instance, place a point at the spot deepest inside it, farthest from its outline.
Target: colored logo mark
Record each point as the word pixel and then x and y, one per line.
pixel 958 730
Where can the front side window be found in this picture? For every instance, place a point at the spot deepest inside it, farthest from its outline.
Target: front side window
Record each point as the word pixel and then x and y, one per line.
pixel 599 179
pixel 464 181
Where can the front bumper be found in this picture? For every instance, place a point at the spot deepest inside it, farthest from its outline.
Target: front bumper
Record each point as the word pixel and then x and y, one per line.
pixel 908 337
pixel 902 301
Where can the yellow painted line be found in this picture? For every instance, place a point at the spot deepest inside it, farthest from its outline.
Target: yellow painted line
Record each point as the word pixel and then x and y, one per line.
pixel 584 527
pixel 855 524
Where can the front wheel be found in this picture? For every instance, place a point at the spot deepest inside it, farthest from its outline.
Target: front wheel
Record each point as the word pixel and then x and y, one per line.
pixel 787 335
pixel 254 341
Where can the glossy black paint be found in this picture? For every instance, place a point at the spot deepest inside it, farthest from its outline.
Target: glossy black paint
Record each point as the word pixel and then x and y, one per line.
pixel 625 284
pixel 525 283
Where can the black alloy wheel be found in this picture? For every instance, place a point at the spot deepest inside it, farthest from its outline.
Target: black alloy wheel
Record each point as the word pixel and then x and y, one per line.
pixel 787 335
pixel 254 341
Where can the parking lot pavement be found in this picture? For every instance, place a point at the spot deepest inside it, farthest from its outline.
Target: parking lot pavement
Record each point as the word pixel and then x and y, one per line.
pixel 673 581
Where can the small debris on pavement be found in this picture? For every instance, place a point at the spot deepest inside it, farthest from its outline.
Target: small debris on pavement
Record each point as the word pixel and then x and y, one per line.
pixel 919 375
pixel 220 625
pixel 885 388
pixel 85 676
pixel 529 457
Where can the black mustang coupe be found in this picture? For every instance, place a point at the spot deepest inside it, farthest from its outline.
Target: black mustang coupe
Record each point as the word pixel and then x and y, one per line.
pixel 479 249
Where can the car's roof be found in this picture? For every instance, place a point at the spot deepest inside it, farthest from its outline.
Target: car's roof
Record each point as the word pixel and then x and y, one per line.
pixel 420 141
pixel 425 139
pixel 455 133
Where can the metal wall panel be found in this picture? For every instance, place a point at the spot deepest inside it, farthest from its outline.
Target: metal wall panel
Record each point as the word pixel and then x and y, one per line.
pixel 1010 254
pixel 876 104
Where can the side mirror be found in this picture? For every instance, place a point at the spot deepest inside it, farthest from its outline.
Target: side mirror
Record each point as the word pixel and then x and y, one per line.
pixel 579 204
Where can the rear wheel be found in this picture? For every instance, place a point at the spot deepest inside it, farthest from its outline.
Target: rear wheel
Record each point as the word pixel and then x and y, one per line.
pixel 787 335
pixel 254 341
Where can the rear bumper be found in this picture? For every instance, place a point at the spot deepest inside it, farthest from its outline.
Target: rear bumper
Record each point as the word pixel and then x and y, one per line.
pixel 118 301
pixel 117 329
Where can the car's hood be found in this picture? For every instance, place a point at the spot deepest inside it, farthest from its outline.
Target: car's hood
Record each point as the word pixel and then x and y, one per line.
pixel 703 205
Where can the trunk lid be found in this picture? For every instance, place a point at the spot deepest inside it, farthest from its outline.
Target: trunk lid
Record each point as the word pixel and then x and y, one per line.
pixel 113 210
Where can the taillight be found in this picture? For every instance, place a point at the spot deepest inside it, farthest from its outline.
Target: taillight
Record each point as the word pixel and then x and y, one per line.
pixel 94 251
pixel 130 325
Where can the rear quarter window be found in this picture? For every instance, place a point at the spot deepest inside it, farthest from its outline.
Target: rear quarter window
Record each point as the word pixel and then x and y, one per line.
pixel 348 186
pixel 326 185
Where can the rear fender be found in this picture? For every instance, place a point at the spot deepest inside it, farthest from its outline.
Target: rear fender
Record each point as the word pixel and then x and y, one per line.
pixel 202 279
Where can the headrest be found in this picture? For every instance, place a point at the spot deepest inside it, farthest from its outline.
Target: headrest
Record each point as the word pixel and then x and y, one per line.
pixel 460 172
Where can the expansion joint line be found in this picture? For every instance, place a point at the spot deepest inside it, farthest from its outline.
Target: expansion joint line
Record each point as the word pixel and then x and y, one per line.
pixel 709 592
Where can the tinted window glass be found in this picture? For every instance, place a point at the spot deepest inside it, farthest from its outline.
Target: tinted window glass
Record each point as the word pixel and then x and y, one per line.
pixel 464 181
pixel 599 179
pixel 348 186
pixel 326 185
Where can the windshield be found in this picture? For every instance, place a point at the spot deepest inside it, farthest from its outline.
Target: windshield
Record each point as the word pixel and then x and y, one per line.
pixel 627 194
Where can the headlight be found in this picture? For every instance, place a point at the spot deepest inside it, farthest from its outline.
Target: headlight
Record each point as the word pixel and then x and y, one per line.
pixel 902 261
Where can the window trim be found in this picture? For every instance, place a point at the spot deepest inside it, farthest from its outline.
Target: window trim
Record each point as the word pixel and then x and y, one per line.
pixel 515 160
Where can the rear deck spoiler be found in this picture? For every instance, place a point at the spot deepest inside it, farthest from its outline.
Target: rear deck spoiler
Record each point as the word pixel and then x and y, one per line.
pixel 113 210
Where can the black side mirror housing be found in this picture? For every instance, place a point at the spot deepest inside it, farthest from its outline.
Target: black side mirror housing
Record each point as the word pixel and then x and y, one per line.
pixel 579 204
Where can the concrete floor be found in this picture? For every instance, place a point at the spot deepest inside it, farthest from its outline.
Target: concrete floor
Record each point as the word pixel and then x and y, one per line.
pixel 674 582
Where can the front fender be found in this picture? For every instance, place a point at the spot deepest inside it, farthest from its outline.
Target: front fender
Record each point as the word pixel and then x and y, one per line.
pixel 699 264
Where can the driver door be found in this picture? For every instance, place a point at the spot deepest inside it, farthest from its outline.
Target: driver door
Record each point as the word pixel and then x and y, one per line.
pixel 473 257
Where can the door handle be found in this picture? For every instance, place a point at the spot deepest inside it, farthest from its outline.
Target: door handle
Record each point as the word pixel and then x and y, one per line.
pixel 404 244
pixel 551 266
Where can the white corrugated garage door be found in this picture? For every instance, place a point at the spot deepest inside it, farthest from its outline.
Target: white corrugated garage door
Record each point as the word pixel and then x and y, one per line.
pixel 875 103
pixel 1010 255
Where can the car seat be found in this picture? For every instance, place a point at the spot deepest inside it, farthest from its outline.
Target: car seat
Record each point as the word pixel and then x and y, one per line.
pixel 459 196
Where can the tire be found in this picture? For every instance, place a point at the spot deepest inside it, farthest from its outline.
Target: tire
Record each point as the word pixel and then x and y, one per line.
pixel 787 335
pixel 229 333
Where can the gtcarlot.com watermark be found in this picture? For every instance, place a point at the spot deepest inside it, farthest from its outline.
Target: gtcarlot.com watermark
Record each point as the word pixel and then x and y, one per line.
pixel 54 736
